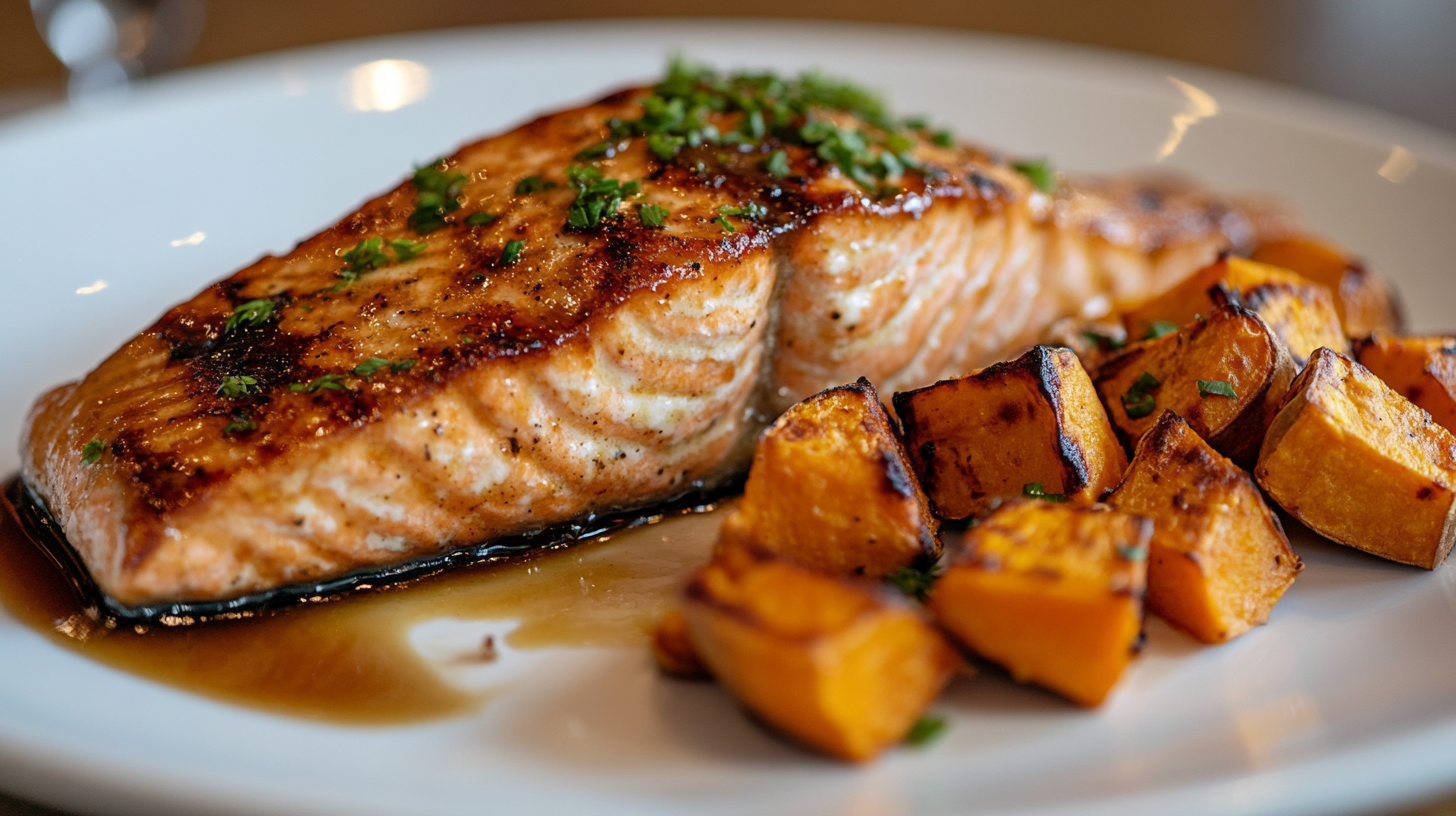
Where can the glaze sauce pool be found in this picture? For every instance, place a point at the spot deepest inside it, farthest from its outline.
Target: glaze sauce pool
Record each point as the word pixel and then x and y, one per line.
pixel 350 661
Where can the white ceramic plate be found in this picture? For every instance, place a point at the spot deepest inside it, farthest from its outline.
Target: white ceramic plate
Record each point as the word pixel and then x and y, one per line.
pixel 1346 701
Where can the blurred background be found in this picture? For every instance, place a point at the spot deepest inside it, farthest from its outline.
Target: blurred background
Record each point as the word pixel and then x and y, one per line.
pixel 1398 55
pixel 1395 55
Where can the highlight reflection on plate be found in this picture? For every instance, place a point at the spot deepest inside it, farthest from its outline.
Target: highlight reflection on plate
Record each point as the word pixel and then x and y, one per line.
pixel 1344 702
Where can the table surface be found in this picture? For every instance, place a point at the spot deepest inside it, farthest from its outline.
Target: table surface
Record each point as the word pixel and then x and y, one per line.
pixel 1394 55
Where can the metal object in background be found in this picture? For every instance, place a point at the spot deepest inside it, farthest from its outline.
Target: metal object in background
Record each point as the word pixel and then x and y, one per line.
pixel 105 44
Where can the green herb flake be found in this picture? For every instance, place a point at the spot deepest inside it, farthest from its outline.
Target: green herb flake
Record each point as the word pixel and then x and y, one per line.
pixel 235 386
pixel 1128 552
pixel 915 583
pixel 91 451
pixel 1034 490
pixel 606 148
pixel 1039 172
pixel 1137 402
pixel 401 365
pixel 777 164
pixel 652 215
pixel 480 219
pixel 251 313
pixel 438 195
pixel 1105 342
pixel 241 424
pixel 1216 388
pixel 533 184
pixel 512 252
pixel 1160 328
pixel 331 382
pixel 925 730
pixel 405 250
pixel 366 256
pixel 943 138
pixel 597 198
pixel 370 366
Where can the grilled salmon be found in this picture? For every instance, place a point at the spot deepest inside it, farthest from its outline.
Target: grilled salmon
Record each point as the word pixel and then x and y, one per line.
pixel 597 310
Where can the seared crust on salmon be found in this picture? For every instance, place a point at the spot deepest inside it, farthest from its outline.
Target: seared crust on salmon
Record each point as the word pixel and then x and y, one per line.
pixel 392 399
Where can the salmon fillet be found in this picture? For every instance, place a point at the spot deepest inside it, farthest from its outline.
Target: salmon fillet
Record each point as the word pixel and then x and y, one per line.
pixel 477 355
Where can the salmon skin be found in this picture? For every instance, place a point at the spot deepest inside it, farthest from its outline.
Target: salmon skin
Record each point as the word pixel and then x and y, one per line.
pixel 591 313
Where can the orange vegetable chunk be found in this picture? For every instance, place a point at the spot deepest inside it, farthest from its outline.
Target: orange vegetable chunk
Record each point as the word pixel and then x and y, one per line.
pixel 1421 369
pixel 841 665
pixel 1364 301
pixel 1035 419
pixel 1362 465
pixel 1300 311
pixel 831 488
pixel 1219 560
pixel 1053 592
pixel 1232 347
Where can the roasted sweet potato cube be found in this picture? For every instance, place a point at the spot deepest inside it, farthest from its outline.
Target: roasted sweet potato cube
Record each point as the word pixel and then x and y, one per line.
pixel 1300 311
pixel 1362 465
pixel 672 648
pixel 831 488
pixel 1053 592
pixel 1301 314
pixel 1421 369
pixel 1033 420
pixel 1219 559
pixel 842 665
pixel 1364 300
pixel 1227 375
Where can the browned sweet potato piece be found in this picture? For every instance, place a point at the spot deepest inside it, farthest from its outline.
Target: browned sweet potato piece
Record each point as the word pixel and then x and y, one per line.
pixel 1053 592
pixel 673 649
pixel 831 488
pixel 1421 369
pixel 1301 312
pixel 1361 464
pixel 1363 299
pixel 844 666
pixel 1219 560
pixel 1035 419
pixel 1232 346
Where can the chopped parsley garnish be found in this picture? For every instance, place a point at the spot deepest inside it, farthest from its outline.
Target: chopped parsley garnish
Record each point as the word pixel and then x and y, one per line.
pixel 1216 388
pixel 332 382
pixel 405 250
pixel 480 219
pixel 235 386
pixel 533 184
pixel 915 583
pixel 752 211
pixel 1160 328
pixel 943 138
pixel 597 198
pixel 1129 552
pixel 251 313
pixel 1039 172
pixel 511 253
pixel 1034 490
pixel 925 730
pixel 676 116
pixel 369 254
pixel 1105 342
pixel 652 215
pixel 401 365
pixel 439 194
pixel 1138 402
pixel 91 451
pixel 241 424
pixel 777 164
pixel 370 366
